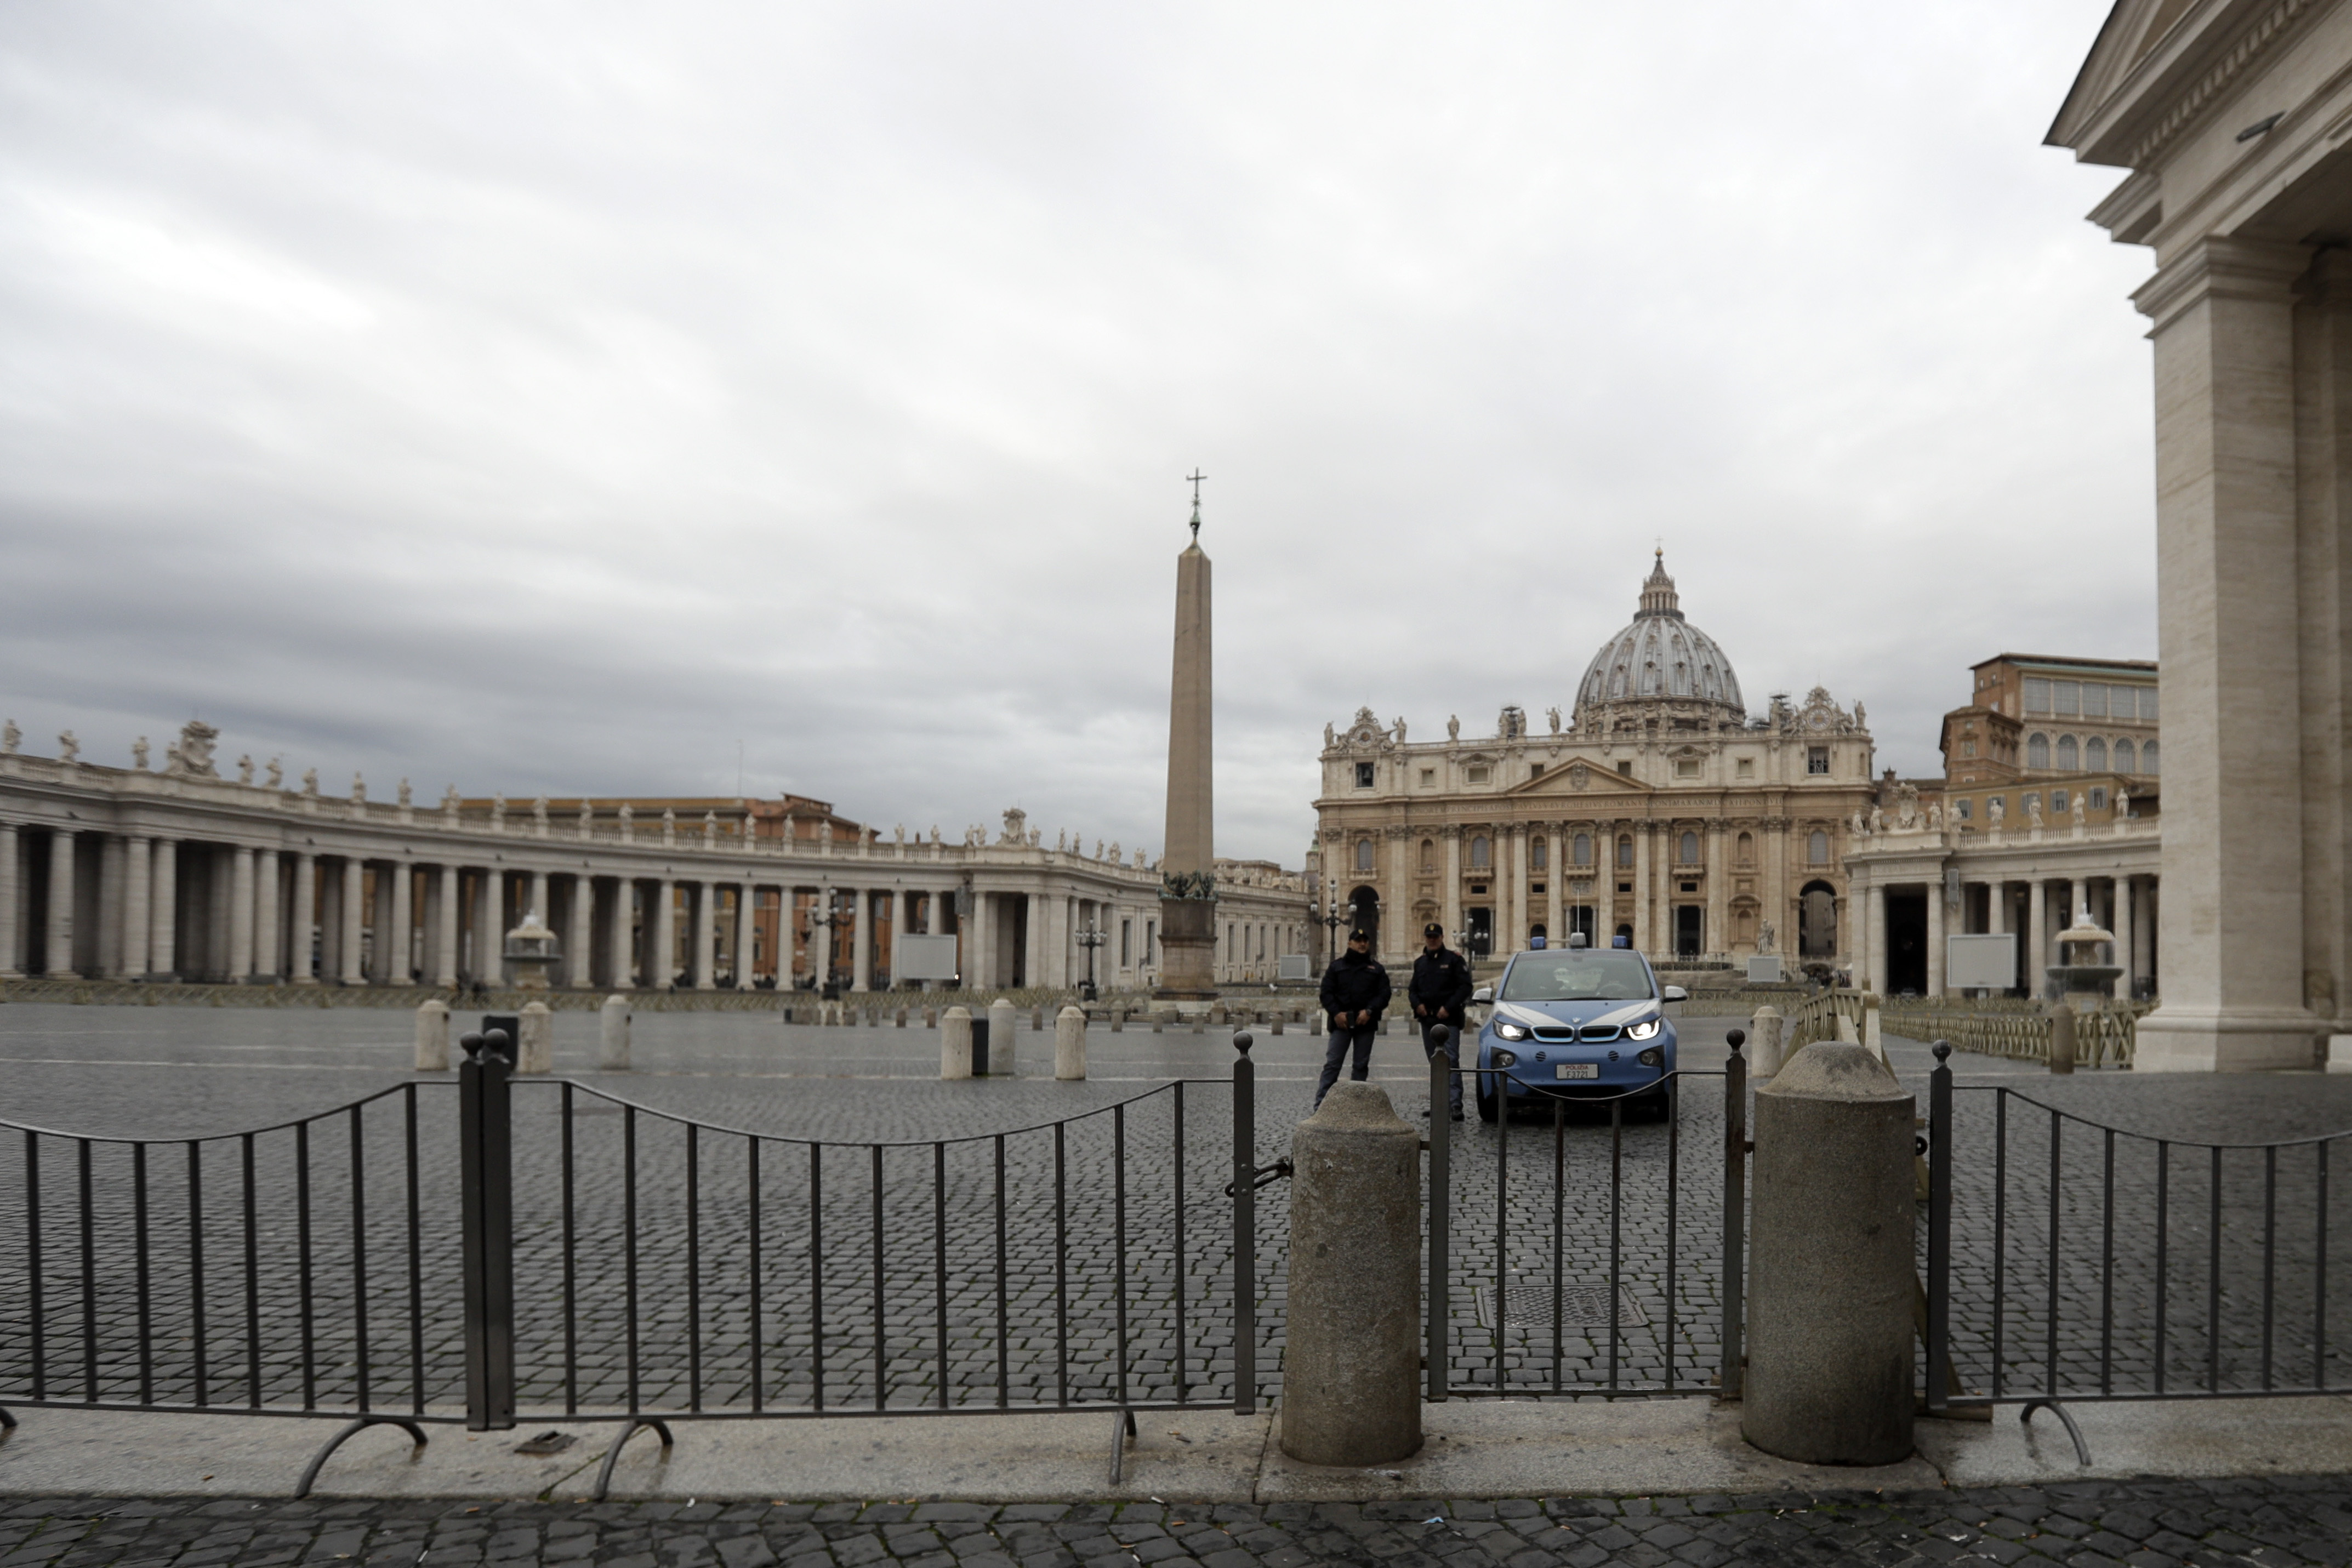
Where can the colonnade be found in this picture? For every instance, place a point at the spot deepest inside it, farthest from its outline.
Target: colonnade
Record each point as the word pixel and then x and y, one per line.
pixel 2035 908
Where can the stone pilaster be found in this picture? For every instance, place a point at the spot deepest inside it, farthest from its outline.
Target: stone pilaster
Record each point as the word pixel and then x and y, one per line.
pixel 164 914
pixel 399 944
pixel 138 881
pixel 1874 936
pixel 111 853
pixel 664 974
pixel 11 935
pixel 352 910
pixel 57 948
pixel 269 923
pixel 702 901
pixel 240 914
pixel 579 940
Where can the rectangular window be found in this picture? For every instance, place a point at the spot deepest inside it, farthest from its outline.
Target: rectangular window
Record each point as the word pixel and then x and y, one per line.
pixel 1480 774
pixel 1428 777
pixel 1962 809
pixel 1626 767
pixel 2065 697
pixel 2147 704
pixel 1624 887
pixel 2095 700
pixel 2098 797
pixel 1685 767
pixel 1477 887
pixel 1747 767
pixel 1817 759
pixel 1363 775
pixel 2122 704
pixel 2037 695
pixel 1127 943
pixel 1534 770
pixel 2058 803
pixel 1537 886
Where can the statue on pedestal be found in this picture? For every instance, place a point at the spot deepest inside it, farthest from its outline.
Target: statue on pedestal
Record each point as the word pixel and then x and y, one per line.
pixel 277 773
pixel 139 754
pixel 11 738
pixel 68 749
pixel 311 782
pixel 1452 727
pixel 244 767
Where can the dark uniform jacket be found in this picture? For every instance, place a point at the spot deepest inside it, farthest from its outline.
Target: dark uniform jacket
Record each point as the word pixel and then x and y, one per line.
pixel 1356 983
pixel 1441 980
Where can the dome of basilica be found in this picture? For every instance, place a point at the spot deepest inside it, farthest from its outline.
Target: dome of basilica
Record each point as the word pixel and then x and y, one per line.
pixel 1660 661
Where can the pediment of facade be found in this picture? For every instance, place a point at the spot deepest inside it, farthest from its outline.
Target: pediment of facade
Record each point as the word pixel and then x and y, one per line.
pixel 1578 779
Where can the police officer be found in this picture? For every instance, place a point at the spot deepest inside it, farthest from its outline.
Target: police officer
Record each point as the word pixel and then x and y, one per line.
pixel 1441 1000
pixel 1355 994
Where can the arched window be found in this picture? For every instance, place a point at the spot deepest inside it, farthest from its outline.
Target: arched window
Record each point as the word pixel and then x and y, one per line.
pixel 1746 849
pixel 2067 759
pixel 1481 854
pixel 1428 855
pixel 1817 848
pixel 1584 849
pixel 2037 750
pixel 2127 759
pixel 1539 855
pixel 1363 854
pixel 1626 850
pixel 1690 849
pixel 2147 757
pixel 2095 755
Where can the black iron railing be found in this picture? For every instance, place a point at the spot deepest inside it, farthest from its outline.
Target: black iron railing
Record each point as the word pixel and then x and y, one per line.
pixel 2066 1260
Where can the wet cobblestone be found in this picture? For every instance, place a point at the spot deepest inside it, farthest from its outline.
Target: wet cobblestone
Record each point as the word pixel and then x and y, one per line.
pixel 2147 1524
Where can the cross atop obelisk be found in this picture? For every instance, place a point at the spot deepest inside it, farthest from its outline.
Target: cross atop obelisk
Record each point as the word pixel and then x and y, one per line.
pixel 1188 897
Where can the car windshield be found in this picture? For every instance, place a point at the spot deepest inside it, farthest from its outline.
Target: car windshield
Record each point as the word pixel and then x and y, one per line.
pixel 1597 976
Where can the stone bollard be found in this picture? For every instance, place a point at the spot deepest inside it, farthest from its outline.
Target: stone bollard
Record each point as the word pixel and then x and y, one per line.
pixel 1036 1021
pixel 2339 1053
pixel 1830 1292
pixel 535 1052
pixel 1764 1055
pixel 1001 1057
pixel 1119 1020
pixel 1069 1044
pixel 1351 1369
pixel 900 1017
pixel 612 1034
pixel 955 1043
pixel 1872 1040
pixel 2061 1039
pixel 1217 1013
pixel 1276 1027
pixel 931 1018
pixel 1158 1022
pixel 1197 1022
pixel 433 1035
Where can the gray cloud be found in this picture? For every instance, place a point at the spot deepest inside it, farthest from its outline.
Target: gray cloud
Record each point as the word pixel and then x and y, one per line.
pixel 554 397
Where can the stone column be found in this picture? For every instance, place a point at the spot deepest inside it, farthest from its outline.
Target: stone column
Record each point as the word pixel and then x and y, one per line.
pixel 540 905
pixel 352 909
pixel 110 855
pixel 578 965
pixel 379 965
pixel 57 952
pixel 935 911
pixel 2228 639
pixel 1935 938
pixel 268 929
pixel 400 953
pixel 861 939
pixel 2123 930
pixel 1642 934
pixel 1874 934
pixel 138 881
pixel 979 943
pixel 444 929
pixel 702 899
pixel 1717 938
pixel 665 934
pixel 490 928
pixel 1517 937
pixel 163 911
pixel 10 937
pixel 240 914
pixel 1036 919
pixel 747 910
pixel 2037 937
pixel 1450 837
pixel 1780 909
pixel 1997 911
pixel 301 919
pixel 2144 932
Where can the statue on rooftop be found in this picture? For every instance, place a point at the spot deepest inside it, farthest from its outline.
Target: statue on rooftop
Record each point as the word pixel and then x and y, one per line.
pixel 68 749
pixel 11 738
pixel 244 767
pixel 139 754
pixel 1452 727
pixel 277 773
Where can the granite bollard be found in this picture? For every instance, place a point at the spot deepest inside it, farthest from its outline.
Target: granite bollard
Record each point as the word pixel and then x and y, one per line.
pixel 535 1052
pixel 1070 1044
pixel 613 1022
pixel 1002 1053
pixel 955 1043
pixel 2061 1039
pixel 1352 1370
pixel 1764 1029
pixel 1830 1284
pixel 433 1035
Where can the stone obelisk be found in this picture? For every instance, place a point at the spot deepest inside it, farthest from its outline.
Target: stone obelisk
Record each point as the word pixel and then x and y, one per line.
pixel 1187 888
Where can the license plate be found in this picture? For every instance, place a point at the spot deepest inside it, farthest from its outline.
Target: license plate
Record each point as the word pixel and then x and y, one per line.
pixel 1577 1069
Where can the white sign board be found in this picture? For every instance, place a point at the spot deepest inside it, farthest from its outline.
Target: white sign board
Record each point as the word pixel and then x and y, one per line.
pixel 1988 962
pixel 916 957
pixel 1296 967
pixel 1764 969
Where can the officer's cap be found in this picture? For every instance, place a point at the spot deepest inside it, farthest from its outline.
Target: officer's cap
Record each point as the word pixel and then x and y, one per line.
pixel 1433 929
pixel 1359 936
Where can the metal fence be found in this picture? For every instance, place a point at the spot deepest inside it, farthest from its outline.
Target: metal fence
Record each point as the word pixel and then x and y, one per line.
pixel 364 1263
pixel 2135 1267
pixel 1604 1292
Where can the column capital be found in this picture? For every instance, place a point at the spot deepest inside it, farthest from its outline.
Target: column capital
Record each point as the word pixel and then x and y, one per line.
pixel 2220 268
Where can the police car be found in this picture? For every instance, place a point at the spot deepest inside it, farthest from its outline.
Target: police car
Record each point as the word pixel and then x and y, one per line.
pixel 1575 1022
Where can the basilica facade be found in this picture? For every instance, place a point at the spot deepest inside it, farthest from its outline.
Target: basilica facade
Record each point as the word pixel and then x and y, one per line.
pixel 1659 811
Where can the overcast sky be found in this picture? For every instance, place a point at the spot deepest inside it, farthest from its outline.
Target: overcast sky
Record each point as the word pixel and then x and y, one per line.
pixel 560 397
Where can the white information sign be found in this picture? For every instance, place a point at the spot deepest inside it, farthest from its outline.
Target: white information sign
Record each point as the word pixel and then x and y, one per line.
pixel 1987 962
pixel 914 957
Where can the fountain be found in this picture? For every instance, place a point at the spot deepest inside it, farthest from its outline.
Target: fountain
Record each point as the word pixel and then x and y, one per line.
pixel 531 952
pixel 2082 977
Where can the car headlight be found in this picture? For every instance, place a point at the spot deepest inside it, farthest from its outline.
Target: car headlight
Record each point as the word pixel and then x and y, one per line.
pixel 1646 1030
pixel 1510 1031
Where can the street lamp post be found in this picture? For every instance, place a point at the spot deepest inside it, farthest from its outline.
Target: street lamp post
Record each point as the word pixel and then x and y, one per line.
pixel 831 921
pixel 1090 937
pixel 1331 922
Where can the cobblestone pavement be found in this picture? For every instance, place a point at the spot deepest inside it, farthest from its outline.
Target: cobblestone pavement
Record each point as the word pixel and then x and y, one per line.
pixel 1100 1224
pixel 2269 1521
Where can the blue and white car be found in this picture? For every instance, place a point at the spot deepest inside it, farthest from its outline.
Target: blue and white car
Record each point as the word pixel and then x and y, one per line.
pixel 1577 1023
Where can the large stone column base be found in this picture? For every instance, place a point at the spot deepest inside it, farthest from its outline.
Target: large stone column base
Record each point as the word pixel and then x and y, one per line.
pixel 1188 939
pixel 2239 1040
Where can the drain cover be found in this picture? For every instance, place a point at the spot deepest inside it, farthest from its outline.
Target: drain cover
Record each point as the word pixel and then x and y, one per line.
pixel 1529 1306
